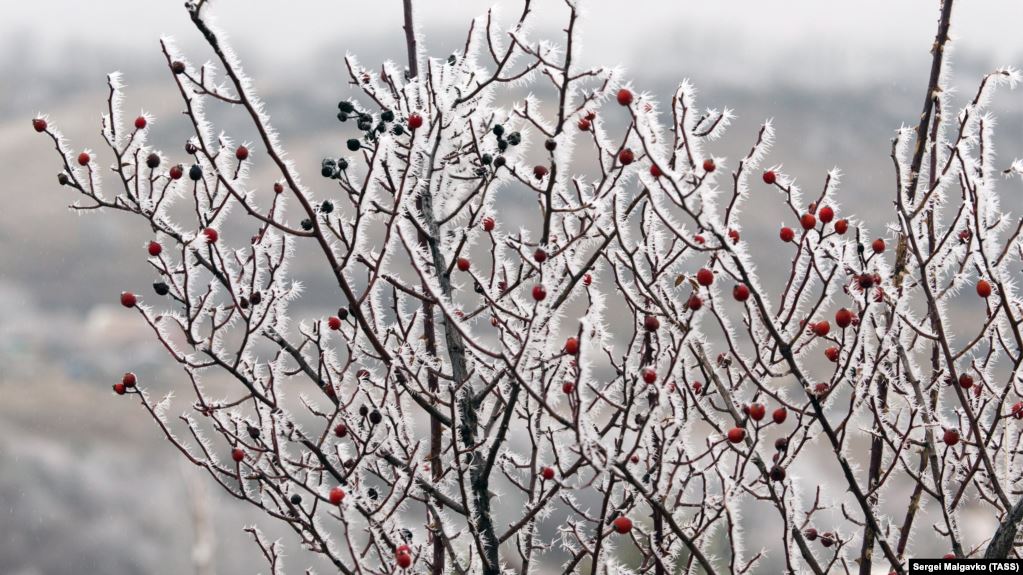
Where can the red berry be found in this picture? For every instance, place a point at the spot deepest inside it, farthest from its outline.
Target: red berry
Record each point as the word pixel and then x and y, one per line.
pixel 821 328
pixel 120 389
pixel 705 277
pixel 843 318
pixel 39 124
pixel 983 289
pixel 697 387
pixel 832 354
pixel 740 292
pixel 336 496
pixel 757 411
pixel 129 379
pixel 278 188
pixel 404 560
pixel 237 454
pixel 539 172
pixel 866 281
pixel 655 171
pixel 699 239
pixel 780 415
pixel 826 214
pixel 176 172
pixel 877 246
pixel 334 323
pixel 547 473
pixel 736 435
pixel 242 153
pixel 539 292
pixel 821 389
pixel 415 121
pixel 808 221
pixel 83 159
pixel 572 346
pixel 211 235
pixel 734 236
pixel 626 156
pixel 786 234
pixel 770 177
pixel 463 264
pixel 965 381
pixel 488 224
pixel 340 430
pixel 540 255
pixel 128 299
pixel 584 125
pixel 777 473
pixel 1017 410
pixel 649 375
pixel 949 556
pixel 951 437
pixel 842 226
pixel 154 249
pixel 624 97
pixel 622 524
pixel 567 388
pixel 403 550
pixel 587 279
pixel 708 165
pixel 695 302
pixel 651 323
pixel 811 534
pixel 140 123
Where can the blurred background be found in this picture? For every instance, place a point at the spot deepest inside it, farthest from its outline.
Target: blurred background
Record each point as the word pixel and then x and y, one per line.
pixel 87 484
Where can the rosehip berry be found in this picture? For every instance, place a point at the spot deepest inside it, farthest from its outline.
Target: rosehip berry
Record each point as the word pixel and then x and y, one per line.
pixel 699 239
pixel 463 264
pixel 705 277
pixel 624 97
pixel 821 389
pixel 841 226
pixel 488 224
pixel 404 560
pixel 340 430
pixel 540 255
pixel 808 221
pixel 415 121
pixel 153 161
pixel 211 235
pixel 780 415
pixel 178 67
pixel 781 444
pixel 866 281
pixel 550 145
pixel 567 388
pixel 539 172
pixel 334 323
pixel 951 437
pixel 965 381
pixel 821 328
pixel 154 249
pixel 39 124
pixel 695 302
pixel 129 379
pixel 242 153
pixel 237 454
pixel 708 165
pixel 83 159
pixel 786 234
pixel 128 299
pixel 1017 410
pixel 736 435
pixel 655 171
pixel 583 125
pixel 949 556
pixel 843 318
pixel 572 346
pixel 176 172
pixel 587 279
pixel 278 188
pixel 195 173
pixel 119 388
pixel 777 473
pixel 757 411
pixel 336 496
pixel 651 323
pixel 547 473
pixel 984 289
pixel 140 123
pixel 878 246
pixel 649 375
pixel 626 156
pixel 734 236
pixel 740 292
pixel 539 292
pixel 832 354
pixel 810 534
pixel 770 177
pixel 697 387
pixel 826 214
pixel 622 524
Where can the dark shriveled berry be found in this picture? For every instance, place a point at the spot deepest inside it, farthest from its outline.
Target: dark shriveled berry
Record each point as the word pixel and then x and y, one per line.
pixel 161 288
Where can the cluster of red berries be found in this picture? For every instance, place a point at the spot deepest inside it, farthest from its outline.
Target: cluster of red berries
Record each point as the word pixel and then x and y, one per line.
pixel 128 381
pixel 827 538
